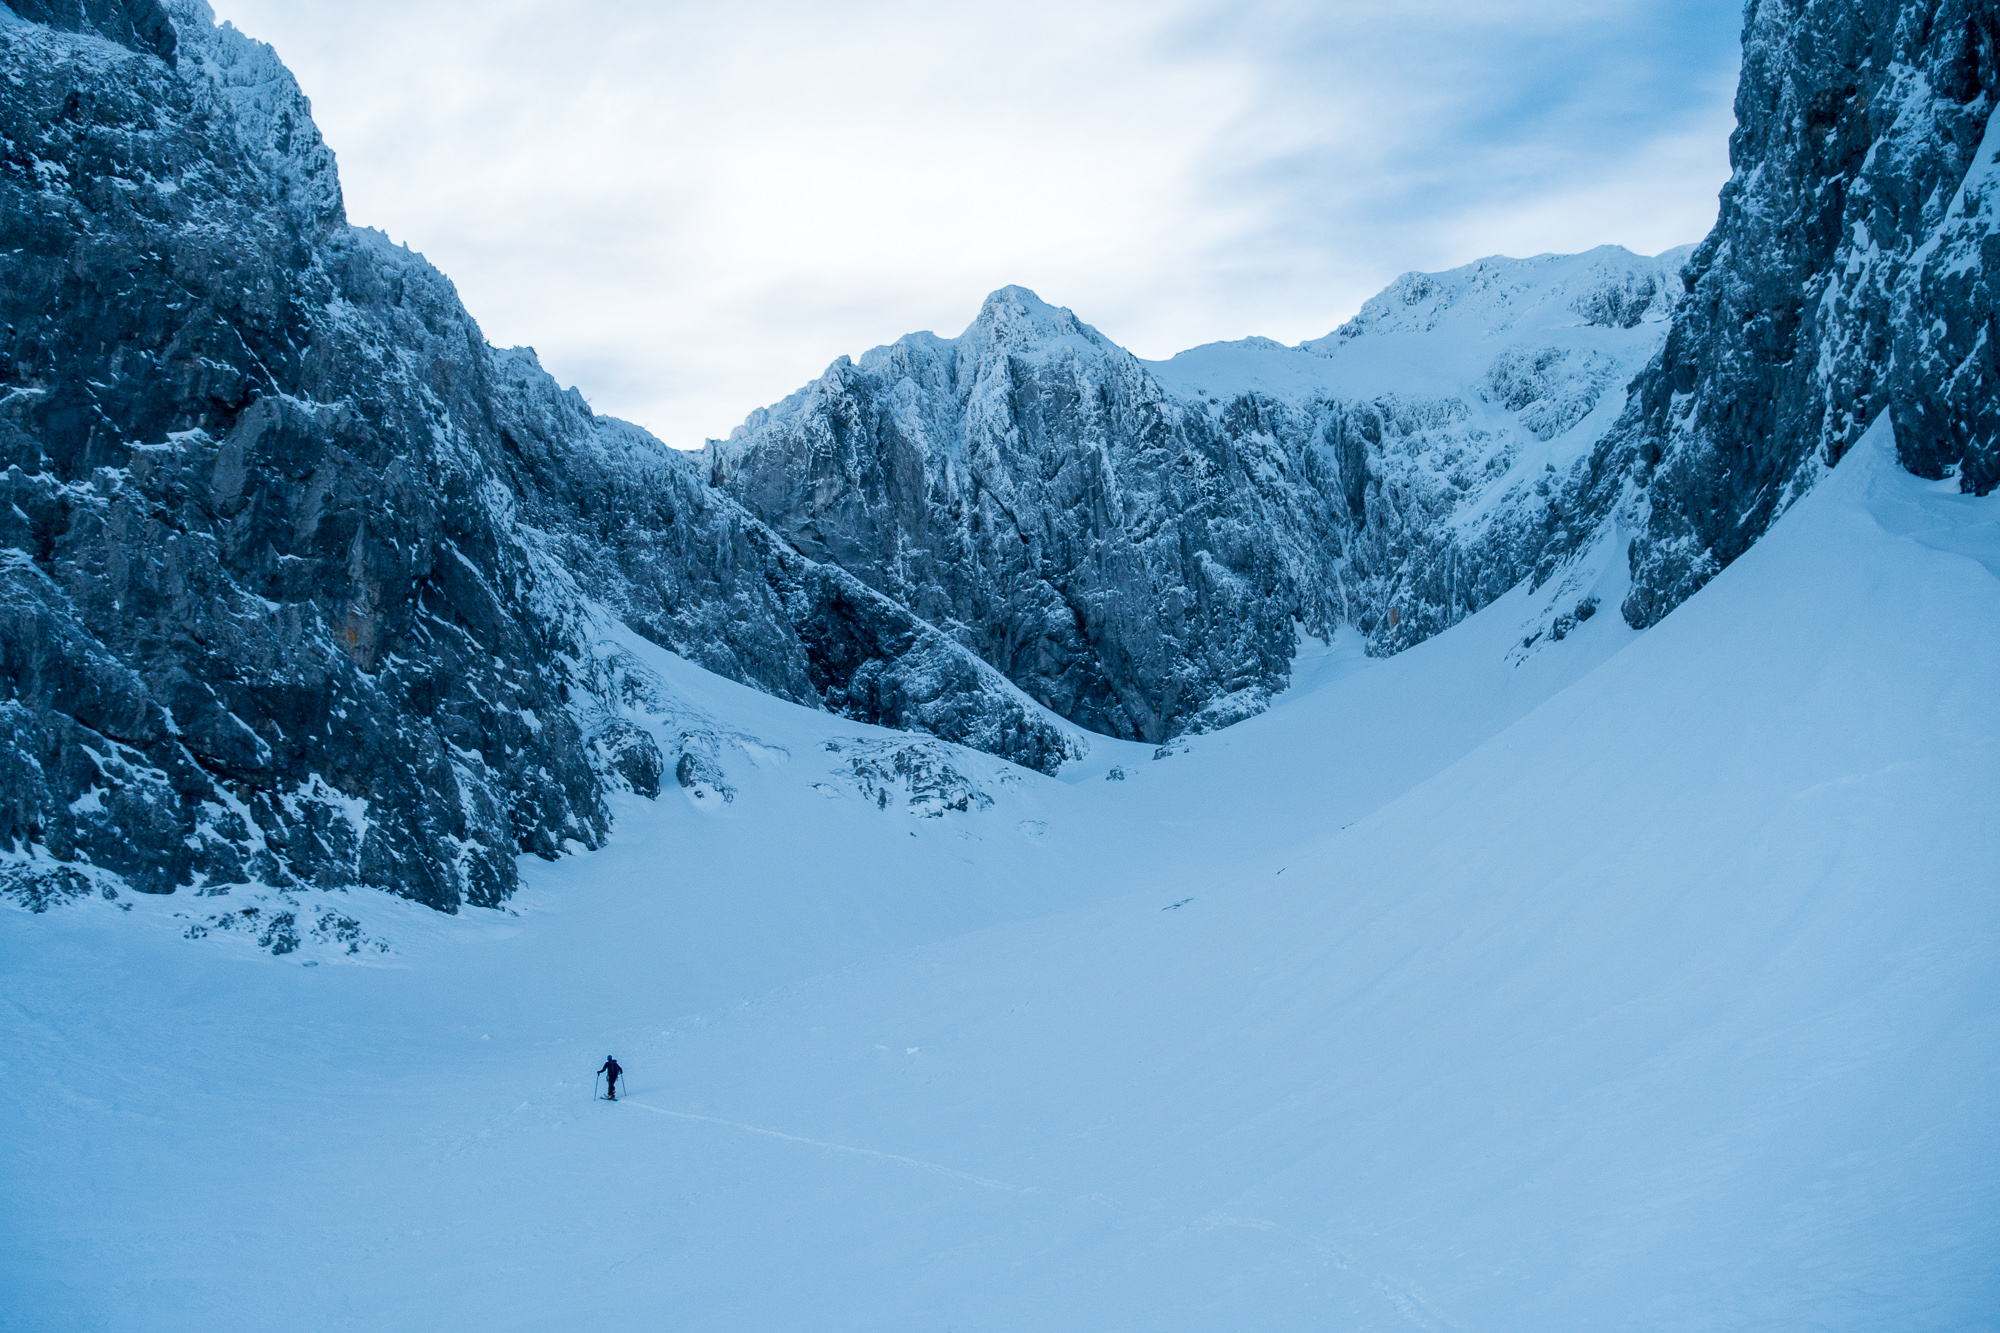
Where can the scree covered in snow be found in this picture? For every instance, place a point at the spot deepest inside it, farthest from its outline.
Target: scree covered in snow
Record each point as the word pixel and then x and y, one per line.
pixel 1626 980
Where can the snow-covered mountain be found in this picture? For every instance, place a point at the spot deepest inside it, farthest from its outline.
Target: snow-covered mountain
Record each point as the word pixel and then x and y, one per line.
pixel 1469 429
pixel 1644 982
pixel 1134 544
pixel 300 576
pixel 1506 962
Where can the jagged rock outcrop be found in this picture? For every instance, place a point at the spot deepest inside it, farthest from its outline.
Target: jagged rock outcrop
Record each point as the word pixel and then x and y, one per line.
pixel 1029 487
pixel 1137 546
pixel 1131 543
pixel 296 573
pixel 300 581
pixel 1850 273
pixel 1471 398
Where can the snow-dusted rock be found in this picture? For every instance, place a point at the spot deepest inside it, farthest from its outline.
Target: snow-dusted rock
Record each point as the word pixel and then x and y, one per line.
pixel 1851 272
pixel 298 576
pixel 1030 489
pixel 301 582
pixel 920 776
pixel 1134 544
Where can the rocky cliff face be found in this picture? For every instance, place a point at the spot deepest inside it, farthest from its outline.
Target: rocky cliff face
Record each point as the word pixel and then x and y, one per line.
pixel 1138 546
pixel 298 577
pixel 1850 273
pixel 1029 487
pixel 301 582
pixel 1131 544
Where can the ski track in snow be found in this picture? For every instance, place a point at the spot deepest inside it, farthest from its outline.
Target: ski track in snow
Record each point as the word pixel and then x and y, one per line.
pixel 942 1170
pixel 1631 981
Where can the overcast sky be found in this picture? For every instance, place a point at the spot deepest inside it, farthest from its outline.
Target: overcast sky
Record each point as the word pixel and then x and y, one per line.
pixel 690 209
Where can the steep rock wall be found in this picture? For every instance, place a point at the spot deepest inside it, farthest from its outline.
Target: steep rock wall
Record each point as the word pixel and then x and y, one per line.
pixel 1137 546
pixel 1030 488
pixel 296 573
pixel 1850 272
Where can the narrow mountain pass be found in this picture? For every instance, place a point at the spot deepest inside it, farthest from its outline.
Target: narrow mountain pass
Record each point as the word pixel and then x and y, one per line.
pixel 1547 1036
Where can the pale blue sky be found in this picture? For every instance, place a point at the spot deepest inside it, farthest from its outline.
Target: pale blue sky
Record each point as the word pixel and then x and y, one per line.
pixel 689 209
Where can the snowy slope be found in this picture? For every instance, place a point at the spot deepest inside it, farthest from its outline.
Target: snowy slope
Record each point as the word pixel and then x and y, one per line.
pixel 1493 373
pixel 1438 333
pixel 289 555
pixel 1626 980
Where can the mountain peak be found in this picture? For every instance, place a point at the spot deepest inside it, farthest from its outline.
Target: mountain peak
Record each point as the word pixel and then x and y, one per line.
pixel 1015 319
pixel 1014 297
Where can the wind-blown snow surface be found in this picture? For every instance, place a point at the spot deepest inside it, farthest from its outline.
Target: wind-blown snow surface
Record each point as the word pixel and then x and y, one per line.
pixel 1631 980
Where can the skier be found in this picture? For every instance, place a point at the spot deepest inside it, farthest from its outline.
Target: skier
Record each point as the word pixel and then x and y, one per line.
pixel 611 1084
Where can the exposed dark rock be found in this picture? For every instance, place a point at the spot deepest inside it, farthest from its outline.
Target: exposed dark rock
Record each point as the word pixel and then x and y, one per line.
pixel 699 768
pixel 1850 273
pixel 297 570
pixel 141 25
pixel 40 887
pixel 1138 553
pixel 634 755
pixel 302 584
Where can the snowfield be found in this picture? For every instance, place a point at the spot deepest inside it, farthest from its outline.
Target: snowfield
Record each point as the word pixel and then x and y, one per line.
pixel 1515 982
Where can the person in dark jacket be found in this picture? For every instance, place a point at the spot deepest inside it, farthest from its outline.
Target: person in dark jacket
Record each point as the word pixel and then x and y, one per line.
pixel 611 1068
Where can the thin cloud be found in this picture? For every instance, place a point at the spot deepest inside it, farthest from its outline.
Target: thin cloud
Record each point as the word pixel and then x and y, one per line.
pixel 690 209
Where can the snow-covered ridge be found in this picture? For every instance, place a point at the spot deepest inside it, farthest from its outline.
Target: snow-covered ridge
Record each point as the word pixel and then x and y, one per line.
pixel 1432 333
pixel 272 115
pixel 284 537
pixel 1012 322
pixel 1031 484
